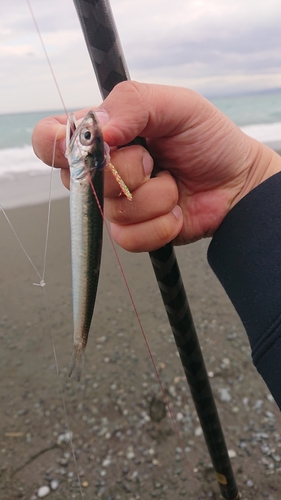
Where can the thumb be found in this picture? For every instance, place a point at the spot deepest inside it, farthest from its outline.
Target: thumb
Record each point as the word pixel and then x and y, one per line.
pixel 148 110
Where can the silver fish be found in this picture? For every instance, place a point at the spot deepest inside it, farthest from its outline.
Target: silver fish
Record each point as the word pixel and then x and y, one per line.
pixel 86 157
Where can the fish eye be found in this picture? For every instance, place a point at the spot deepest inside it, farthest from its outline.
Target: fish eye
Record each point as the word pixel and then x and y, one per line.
pixel 86 137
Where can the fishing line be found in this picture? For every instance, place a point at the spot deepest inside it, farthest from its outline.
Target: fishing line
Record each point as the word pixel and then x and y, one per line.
pixel 165 398
pixel 126 285
pixel 22 246
pixel 49 207
pixel 42 284
pixel 46 54
pixel 108 61
pixel 69 433
pixel 50 327
pixel 46 304
pixel 164 395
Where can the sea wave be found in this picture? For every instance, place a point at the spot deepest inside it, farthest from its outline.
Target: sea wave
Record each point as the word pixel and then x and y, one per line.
pixel 17 161
pixel 20 160
pixel 264 132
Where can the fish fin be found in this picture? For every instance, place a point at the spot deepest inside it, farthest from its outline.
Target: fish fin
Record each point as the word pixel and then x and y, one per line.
pixel 77 361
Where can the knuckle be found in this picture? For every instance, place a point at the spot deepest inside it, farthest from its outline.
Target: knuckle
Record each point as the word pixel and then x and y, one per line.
pixel 135 93
pixel 130 88
pixel 174 196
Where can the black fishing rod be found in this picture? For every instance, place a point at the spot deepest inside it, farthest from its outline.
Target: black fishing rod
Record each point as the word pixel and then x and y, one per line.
pixel 107 57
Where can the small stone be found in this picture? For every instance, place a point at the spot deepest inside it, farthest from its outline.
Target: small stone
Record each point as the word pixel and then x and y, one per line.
pixel 232 453
pixel 198 432
pixel 225 397
pixel 64 438
pixel 62 461
pixel 231 336
pixel 172 391
pixel 101 340
pixel 106 462
pixel 270 415
pixel 242 444
pixel 85 484
pixel 157 409
pixel 43 491
pixel 258 404
pixel 225 364
pixel 54 484
pixel 250 483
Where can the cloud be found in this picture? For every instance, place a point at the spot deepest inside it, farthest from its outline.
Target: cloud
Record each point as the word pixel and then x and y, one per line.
pixel 218 37
pixel 217 44
pixel 211 45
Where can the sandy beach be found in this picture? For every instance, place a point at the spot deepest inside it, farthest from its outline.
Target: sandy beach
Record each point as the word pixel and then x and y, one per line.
pixel 123 451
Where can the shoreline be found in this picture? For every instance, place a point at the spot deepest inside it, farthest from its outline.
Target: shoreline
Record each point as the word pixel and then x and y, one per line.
pixel 28 190
pixel 33 189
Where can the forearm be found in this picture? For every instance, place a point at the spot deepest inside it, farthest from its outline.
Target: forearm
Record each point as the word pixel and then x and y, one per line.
pixel 245 254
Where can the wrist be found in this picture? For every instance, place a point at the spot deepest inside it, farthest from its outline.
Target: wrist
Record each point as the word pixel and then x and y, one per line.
pixel 263 163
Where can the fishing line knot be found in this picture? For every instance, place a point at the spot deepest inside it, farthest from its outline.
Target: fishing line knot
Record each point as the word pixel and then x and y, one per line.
pixel 41 283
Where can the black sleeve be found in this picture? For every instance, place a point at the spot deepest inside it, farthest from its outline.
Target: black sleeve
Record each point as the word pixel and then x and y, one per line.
pixel 245 254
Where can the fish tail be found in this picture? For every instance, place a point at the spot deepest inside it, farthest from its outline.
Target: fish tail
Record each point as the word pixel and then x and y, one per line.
pixel 77 361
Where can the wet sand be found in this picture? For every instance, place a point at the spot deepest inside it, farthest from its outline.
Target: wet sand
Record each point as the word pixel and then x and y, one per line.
pixel 123 451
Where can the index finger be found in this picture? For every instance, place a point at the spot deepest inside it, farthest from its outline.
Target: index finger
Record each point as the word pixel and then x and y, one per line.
pixel 47 132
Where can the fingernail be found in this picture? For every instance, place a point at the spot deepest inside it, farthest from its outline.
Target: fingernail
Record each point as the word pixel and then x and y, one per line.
pixel 102 116
pixel 63 145
pixel 147 162
pixel 177 211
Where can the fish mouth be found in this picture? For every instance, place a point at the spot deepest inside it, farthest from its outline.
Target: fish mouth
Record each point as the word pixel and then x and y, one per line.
pixel 71 126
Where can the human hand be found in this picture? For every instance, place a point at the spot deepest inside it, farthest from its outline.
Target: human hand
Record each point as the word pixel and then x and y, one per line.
pixel 204 164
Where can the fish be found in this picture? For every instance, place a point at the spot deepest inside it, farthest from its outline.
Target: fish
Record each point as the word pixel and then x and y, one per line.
pixel 85 151
pixel 87 155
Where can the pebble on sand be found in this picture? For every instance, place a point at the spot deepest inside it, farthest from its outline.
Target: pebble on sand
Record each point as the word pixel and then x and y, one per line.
pixel 225 397
pixel 43 491
pixel 54 484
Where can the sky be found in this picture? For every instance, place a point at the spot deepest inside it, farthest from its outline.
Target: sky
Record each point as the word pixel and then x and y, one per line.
pixel 215 47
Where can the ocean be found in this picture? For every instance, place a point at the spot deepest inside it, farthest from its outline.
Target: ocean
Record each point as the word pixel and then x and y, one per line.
pixel 258 115
pixel 24 179
pixel 16 153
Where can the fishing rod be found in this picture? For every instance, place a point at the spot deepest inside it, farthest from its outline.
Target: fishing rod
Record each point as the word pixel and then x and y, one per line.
pixel 107 57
